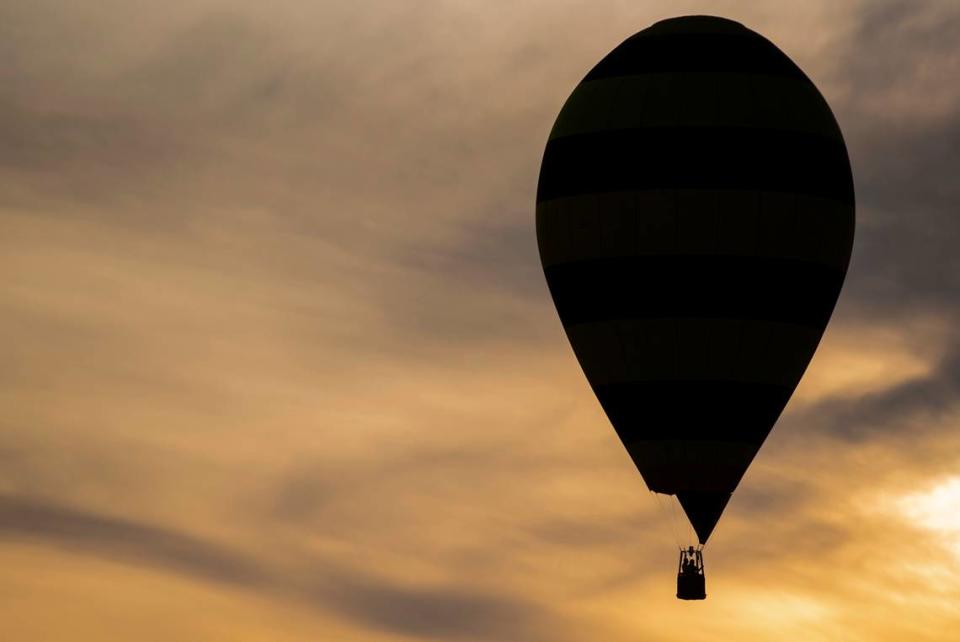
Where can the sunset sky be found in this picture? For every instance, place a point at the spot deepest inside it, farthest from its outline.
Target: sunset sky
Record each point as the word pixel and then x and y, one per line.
pixel 279 363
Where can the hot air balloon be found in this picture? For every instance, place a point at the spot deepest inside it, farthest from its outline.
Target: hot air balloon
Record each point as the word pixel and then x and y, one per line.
pixel 695 219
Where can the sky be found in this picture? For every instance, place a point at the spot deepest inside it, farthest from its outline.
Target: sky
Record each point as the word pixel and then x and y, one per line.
pixel 278 361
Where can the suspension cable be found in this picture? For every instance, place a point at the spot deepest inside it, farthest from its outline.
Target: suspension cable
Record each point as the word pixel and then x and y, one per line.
pixel 670 517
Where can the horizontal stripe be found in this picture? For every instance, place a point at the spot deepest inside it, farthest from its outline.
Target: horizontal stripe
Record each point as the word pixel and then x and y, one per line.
pixel 672 466
pixel 725 222
pixel 696 100
pixel 720 287
pixel 695 158
pixel 723 411
pixel 640 350
pixel 686 52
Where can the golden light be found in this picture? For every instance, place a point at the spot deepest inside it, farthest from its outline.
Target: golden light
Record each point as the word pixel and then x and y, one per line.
pixel 937 510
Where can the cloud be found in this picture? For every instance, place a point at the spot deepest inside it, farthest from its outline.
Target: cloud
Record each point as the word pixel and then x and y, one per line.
pixel 424 612
pixel 914 403
pixel 124 540
pixel 440 613
pixel 901 122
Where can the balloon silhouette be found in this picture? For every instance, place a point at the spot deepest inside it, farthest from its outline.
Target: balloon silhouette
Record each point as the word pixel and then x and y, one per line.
pixel 695 218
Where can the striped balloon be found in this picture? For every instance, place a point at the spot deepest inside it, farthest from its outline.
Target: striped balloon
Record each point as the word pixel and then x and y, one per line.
pixel 695 218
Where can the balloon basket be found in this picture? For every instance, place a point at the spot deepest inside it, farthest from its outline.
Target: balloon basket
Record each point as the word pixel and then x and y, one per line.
pixel 691 580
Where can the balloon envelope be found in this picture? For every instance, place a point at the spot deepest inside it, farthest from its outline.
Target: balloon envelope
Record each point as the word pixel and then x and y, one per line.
pixel 695 218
